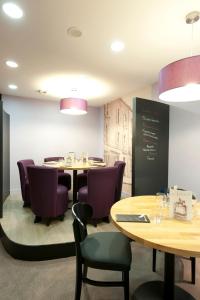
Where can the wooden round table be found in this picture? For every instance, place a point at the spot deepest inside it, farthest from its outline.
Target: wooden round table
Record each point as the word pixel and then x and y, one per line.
pixel 174 237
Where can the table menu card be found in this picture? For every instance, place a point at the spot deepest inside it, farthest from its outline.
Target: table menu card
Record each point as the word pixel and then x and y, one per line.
pixel 180 204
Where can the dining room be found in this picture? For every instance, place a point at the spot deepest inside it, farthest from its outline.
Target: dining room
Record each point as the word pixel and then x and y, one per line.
pixel 61 232
pixel 38 129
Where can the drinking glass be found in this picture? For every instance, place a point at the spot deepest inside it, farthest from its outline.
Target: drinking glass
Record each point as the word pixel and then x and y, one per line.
pixel 72 156
pixel 160 205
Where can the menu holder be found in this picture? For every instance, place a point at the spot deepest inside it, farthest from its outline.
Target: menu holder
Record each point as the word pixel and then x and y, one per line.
pixel 132 218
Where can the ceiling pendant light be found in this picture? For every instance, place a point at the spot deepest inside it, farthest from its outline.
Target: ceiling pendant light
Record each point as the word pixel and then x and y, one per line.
pixel 180 80
pixel 73 106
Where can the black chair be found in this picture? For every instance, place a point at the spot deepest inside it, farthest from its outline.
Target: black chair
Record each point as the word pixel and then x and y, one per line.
pixel 100 250
pixel 192 259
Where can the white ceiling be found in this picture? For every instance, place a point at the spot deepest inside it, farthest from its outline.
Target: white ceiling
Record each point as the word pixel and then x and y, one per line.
pixel 154 33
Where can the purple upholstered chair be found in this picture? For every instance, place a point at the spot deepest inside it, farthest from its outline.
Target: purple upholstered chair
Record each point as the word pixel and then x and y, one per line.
pixel 48 198
pixel 120 165
pixel 100 191
pixel 63 178
pixel 82 177
pixel 22 166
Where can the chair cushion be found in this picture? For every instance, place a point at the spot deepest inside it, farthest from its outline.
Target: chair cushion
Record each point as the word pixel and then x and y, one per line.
pixel 107 250
pixel 61 189
pixel 83 194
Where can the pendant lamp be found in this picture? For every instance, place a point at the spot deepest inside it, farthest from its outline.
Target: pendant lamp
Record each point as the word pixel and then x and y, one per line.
pixel 180 80
pixel 73 106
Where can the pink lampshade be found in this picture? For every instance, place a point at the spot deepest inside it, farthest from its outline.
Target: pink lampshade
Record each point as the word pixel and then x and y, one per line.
pixel 73 106
pixel 180 80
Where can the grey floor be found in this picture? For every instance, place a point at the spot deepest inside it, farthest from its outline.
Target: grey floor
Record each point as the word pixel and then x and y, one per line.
pixel 55 279
pixel 22 280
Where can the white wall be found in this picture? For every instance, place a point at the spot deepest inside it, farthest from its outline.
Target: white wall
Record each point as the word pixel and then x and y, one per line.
pixel 38 130
pixel 184 146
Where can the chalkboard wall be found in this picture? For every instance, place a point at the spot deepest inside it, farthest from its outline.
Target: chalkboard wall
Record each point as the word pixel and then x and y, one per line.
pixel 150 147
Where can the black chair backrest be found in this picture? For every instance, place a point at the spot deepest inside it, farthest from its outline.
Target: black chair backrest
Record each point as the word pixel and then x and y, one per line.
pixel 82 213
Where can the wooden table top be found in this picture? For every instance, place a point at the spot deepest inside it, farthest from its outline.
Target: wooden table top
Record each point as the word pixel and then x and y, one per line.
pixel 170 235
pixel 75 166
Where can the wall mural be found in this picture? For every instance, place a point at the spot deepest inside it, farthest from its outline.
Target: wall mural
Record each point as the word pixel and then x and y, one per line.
pixel 118 138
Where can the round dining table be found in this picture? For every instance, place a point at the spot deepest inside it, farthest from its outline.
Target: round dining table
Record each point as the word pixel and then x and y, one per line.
pixel 75 167
pixel 172 236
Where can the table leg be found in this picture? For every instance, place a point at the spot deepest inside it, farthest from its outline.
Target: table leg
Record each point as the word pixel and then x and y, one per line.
pixel 74 186
pixel 167 290
pixel 169 276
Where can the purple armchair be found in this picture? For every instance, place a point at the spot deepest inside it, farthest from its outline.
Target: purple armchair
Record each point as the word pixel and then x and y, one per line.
pixel 120 173
pixel 63 178
pixel 22 166
pixel 82 177
pixel 100 191
pixel 48 198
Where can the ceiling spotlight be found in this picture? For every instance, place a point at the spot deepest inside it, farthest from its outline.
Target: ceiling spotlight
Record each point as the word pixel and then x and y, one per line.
pixel 12 86
pixel 11 64
pixel 42 92
pixel 74 32
pixel 117 46
pixel 12 10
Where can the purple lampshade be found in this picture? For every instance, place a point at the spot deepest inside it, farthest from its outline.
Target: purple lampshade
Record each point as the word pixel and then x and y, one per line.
pixel 73 106
pixel 180 80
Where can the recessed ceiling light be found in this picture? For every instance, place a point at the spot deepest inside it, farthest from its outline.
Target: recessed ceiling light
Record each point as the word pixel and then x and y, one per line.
pixel 12 10
pixel 11 64
pixel 12 86
pixel 74 31
pixel 42 91
pixel 117 46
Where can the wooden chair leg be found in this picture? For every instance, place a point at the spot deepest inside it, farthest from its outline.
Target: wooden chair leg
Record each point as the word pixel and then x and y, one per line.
pixel 193 269
pixel 78 280
pixel 125 276
pixel 154 261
